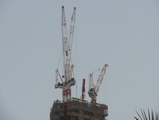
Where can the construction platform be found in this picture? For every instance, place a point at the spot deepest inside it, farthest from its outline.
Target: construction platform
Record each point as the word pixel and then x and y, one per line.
pixel 77 109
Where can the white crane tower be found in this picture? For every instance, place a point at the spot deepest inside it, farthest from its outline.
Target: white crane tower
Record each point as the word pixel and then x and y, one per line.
pixel 67 80
pixel 93 89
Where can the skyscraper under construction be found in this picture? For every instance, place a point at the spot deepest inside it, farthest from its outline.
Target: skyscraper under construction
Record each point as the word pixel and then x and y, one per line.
pixel 73 108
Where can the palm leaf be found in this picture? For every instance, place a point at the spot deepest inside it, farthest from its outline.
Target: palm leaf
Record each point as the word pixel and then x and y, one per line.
pixel 149 116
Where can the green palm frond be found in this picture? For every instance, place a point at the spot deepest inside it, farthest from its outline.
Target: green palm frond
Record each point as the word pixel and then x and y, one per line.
pixel 149 116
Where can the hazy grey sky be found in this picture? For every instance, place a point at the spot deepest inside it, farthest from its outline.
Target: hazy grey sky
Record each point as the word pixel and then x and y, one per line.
pixel 121 33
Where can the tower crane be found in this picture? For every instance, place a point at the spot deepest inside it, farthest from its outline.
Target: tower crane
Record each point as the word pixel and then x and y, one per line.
pixel 67 80
pixel 93 89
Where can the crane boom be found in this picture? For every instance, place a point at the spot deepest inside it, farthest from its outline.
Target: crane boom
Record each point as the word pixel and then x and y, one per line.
pixel 100 78
pixel 72 27
pixel 66 46
pixel 67 43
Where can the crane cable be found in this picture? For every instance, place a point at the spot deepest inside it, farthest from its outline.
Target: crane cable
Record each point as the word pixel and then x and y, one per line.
pixel 59 61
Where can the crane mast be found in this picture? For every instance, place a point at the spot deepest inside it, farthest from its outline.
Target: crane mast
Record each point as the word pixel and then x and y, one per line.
pixel 93 89
pixel 67 79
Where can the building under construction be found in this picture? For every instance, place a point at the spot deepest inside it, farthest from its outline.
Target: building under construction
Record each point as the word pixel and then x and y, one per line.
pixel 77 109
pixel 73 108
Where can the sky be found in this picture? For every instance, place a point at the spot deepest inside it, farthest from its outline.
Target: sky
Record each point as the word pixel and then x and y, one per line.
pixel 121 33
